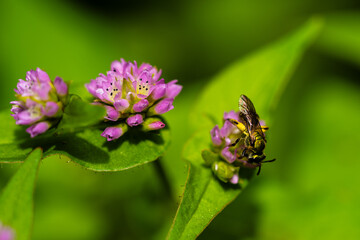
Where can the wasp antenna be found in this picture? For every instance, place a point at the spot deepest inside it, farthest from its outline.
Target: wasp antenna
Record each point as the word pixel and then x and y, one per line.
pixel 259 170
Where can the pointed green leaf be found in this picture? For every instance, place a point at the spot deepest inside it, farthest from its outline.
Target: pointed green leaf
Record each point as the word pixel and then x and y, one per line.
pixel 262 76
pixel 205 196
pixel 16 200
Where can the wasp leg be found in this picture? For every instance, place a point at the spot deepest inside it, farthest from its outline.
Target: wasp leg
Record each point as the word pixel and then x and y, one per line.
pixel 234 144
pixel 259 170
pixel 238 124
pixel 264 128
pixel 272 160
pixel 244 153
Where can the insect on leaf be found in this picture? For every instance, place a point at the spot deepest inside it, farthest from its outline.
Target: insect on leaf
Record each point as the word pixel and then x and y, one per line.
pixel 262 76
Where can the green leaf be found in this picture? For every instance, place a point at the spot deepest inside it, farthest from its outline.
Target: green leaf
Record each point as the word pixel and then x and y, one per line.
pixel 204 196
pixel 262 76
pixel 16 200
pixel 16 144
pixel 84 146
pixel 341 36
pixel 91 150
pixel 79 113
pixel 10 134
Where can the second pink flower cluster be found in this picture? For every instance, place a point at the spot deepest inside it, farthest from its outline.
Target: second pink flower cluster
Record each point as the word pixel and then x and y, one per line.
pixel 133 93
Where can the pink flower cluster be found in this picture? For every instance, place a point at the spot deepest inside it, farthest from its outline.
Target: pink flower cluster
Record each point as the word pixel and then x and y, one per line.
pixel 40 101
pixel 6 233
pixel 224 139
pixel 229 142
pixel 133 94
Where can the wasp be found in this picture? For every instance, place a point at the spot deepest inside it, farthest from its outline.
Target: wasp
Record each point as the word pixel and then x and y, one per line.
pixel 254 140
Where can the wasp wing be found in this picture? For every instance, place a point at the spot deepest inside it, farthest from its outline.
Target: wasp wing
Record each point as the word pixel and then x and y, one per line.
pixel 248 115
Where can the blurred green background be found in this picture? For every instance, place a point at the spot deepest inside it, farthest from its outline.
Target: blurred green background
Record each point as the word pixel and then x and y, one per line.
pixel 310 192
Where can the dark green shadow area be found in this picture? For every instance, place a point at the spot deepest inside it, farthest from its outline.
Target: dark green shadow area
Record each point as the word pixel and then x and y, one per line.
pixel 135 136
pixel 89 149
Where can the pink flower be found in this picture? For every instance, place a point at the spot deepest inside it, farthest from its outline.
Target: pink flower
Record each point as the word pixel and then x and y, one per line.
pixel 6 233
pixel 40 102
pixel 226 145
pixel 153 124
pixel 225 137
pixel 132 93
pixel 229 144
pixel 112 133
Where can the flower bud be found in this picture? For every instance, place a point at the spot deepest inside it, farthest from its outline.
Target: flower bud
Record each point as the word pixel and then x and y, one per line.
pixel 112 133
pixel 60 86
pixel 141 105
pixel 161 107
pixel 38 128
pixel 135 120
pixel 224 171
pixel 151 124
pixel 215 136
pixel 112 114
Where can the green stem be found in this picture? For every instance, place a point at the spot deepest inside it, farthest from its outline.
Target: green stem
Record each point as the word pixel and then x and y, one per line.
pixel 163 177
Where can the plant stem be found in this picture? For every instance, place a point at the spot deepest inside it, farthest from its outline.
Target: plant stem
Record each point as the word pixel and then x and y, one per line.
pixel 163 178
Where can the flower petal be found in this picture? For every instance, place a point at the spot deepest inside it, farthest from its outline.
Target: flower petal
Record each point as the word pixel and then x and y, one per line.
pixel 153 124
pixel 215 136
pixel 42 76
pixel 227 155
pixel 112 133
pixel 121 105
pixel 164 106
pixel 227 129
pixel 112 113
pixel 141 105
pixel 135 120
pixel 231 115
pixel 235 179
pixel 6 233
pixel 38 128
pixel 159 91
pixel 173 89
pixel 60 86
pixel 50 109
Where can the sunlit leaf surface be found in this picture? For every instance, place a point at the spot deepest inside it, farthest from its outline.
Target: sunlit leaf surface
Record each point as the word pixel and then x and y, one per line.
pixel 204 196
pixel 262 76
